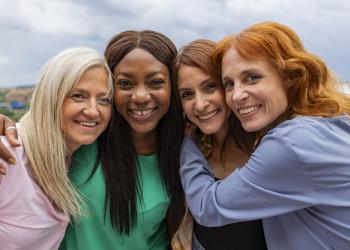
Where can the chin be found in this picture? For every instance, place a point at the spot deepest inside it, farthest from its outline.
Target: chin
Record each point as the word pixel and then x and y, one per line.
pixel 209 131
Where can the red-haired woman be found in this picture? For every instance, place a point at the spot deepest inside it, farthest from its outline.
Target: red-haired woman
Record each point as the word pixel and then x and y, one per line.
pixel 298 177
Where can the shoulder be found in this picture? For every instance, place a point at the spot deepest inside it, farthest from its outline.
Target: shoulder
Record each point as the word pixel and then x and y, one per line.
pixel 86 153
pixel 309 125
pixel 310 135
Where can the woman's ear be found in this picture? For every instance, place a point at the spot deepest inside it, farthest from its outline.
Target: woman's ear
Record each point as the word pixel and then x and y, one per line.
pixel 289 82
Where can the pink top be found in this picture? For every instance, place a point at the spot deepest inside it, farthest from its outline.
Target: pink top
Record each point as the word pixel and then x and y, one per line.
pixel 27 218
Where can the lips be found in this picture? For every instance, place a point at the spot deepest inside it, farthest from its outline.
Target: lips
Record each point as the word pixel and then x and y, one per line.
pixel 208 116
pixel 142 114
pixel 87 124
pixel 249 110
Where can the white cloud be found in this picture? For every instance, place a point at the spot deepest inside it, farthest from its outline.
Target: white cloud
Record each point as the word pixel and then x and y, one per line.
pixel 32 31
pixel 54 17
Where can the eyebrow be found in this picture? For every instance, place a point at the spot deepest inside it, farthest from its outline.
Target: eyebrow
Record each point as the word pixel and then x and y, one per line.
pixel 129 75
pixel 205 81
pixel 84 91
pixel 243 73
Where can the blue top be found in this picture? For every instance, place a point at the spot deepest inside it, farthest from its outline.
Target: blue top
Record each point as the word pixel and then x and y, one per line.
pixel 297 180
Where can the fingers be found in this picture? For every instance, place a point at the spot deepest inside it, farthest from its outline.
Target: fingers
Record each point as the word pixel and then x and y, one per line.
pixel 11 136
pixel 2 169
pixel 10 132
pixel 6 155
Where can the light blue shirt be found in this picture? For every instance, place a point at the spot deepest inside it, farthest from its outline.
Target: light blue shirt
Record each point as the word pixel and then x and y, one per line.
pixel 297 181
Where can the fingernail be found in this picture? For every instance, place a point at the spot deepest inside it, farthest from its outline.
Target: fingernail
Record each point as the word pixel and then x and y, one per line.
pixel 3 171
pixel 11 161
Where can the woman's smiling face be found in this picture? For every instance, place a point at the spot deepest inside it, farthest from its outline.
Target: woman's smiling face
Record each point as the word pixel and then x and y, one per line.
pixel 202 99
pixel 142 90
pixel 255 90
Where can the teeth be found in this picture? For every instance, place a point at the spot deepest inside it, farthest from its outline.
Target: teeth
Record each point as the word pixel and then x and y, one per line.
pixel 208 116
pixel 142 112
pixel 247 110
pixel 88 124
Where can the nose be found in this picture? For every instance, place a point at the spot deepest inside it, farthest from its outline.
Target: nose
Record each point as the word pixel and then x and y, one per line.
pixel 91 109
pixel 201 103
pixel 141 95
pixel 239 93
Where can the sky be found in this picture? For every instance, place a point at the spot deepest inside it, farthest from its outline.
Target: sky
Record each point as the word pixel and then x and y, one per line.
pixel 33 31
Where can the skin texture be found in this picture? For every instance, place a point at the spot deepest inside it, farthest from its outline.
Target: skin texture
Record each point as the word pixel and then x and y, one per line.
pixel 255 90
pixel 203 102
pixel 86 110
pixel 202 99
pixel 142 95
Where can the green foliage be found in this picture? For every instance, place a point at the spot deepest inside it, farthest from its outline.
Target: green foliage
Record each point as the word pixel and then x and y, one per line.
pixel 15 115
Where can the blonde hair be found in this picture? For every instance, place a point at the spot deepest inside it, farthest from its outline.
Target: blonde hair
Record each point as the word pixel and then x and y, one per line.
pixel 315 89
pixel 43 139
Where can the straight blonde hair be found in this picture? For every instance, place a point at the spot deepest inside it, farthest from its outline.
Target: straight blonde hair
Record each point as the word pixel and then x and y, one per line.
pixel 43 138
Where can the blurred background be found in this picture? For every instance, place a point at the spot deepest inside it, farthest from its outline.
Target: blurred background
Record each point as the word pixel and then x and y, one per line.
pixel 32 31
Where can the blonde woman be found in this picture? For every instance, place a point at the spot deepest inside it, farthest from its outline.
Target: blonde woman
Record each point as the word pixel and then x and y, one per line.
pixel 70 107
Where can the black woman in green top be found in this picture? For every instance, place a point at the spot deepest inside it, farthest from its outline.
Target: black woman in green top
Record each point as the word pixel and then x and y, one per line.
pixel 130 176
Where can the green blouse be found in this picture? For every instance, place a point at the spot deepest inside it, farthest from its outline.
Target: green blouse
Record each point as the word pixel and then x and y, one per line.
pixel 92 232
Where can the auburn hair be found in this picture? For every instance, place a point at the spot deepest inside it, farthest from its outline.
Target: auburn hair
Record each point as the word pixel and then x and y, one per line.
pixel 315 90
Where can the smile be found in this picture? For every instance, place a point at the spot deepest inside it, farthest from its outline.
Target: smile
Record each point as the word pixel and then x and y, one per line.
pixel 142 114
pixel 87 124
pixel 248 110
pixel 209 115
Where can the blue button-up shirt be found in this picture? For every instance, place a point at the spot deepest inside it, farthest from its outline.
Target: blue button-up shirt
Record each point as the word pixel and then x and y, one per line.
pixel 297 181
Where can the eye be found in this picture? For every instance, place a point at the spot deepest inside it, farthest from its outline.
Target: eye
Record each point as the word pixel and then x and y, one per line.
pixel 252 78
pixel 228 85
pixel 123 83
pixel 157 82
pixel 105 101
pixel 77 97
pixel 186 94
pixel 211 86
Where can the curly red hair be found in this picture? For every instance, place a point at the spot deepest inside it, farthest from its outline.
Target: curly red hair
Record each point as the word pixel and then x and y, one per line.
pixel 315 89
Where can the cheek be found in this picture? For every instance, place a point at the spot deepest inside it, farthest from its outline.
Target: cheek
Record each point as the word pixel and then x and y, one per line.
pixel 185 104
pixel 165 97
pixel 228 98
pixel 107 112
pixel 119 100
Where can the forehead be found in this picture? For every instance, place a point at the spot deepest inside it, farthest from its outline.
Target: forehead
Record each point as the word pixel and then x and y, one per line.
pixel 140 60
pixel 96 77
pixel 233 62
pixel 191 74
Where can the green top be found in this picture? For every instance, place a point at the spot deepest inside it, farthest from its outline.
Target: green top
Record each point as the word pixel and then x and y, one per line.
pixel 93 232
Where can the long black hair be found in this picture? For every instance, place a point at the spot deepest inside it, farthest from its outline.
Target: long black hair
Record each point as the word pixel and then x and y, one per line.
pixel 116 149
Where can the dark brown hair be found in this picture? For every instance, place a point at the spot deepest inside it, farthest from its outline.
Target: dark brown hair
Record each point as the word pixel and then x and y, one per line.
pixel 199 54
pixel 116 147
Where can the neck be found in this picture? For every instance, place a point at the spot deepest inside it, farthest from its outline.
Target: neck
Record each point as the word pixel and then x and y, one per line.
pixel 220 136
pixel 145 144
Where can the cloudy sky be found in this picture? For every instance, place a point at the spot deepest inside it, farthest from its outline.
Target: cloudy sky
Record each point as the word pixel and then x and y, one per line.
pixel 32 31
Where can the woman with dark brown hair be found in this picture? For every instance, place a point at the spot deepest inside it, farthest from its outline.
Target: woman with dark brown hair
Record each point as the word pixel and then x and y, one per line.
pixel 130 176
pixel 220 138
pixel 298 178
pixel 137 183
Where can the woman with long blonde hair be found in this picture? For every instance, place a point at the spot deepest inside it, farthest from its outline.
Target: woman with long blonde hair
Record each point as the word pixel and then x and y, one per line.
pixel 71 106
